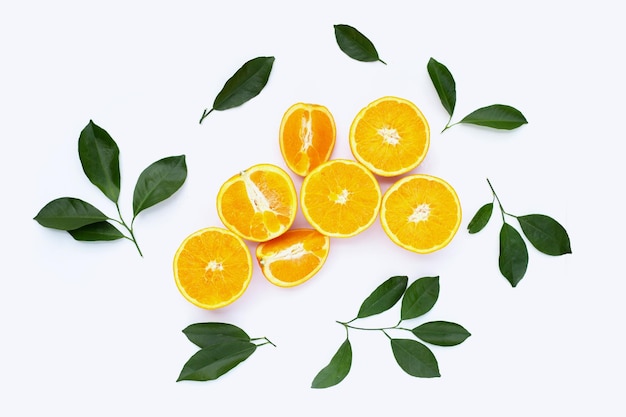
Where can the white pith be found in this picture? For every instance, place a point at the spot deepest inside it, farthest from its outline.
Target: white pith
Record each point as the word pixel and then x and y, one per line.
pixel 214 266
pixel 420 213
pixel 390 135
pixel 306 134
pixel 259 201
pixel 295 251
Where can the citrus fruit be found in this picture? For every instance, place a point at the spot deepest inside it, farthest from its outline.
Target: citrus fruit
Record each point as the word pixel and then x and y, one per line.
pixel 421 213
pixel 390 136
pixel 212 267
pixel 306 137
pixel 340 198
pixel 259 203
pixel 293 257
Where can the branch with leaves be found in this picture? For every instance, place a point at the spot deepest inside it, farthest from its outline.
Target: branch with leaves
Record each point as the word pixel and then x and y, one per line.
pixel 99 156
pixel 543 232
pixel 222 346
pixel 414 357
pixel 497 116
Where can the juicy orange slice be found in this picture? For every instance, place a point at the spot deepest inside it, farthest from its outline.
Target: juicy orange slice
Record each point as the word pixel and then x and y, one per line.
pixel 212 267
pixel 340 198
pixel 390 136
pixel 293 257
pixel 421 213
pixel 306 137
pixel 259 203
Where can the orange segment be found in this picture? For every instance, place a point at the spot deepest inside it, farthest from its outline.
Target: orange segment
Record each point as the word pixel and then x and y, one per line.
pixel 306 137
pixel 293 257
pixel 258 204
pixel 340 198
pixel 390 136
pixel 421 213
pixel 212 267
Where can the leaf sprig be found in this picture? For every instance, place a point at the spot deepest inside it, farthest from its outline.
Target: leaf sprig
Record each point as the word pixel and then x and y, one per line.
pixel 356 45
pixel 497 116
pixel 247 82
pixel 222 346
pixel 99 156
pixel 543 232
pixel 414 357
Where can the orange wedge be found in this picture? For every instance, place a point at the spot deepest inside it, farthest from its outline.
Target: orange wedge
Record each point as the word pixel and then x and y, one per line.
pixel 340 198
pixel 421 213
pixel 390 136
pixel 212 267
pixel 293 257
pixel 259 203
pixel 306 137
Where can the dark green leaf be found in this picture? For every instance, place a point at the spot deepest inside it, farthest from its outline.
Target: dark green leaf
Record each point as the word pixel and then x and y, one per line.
pixel 441 333
pixel 213 362
pixel 480 219
pixel 546 234
pixel 67 213
pixel 354 44
pixel 337 369
pixel 498 116
pixel 206 335
pixel 415 358
pixel 384 297
pixel 99 156
pixel 420 297
pixel 158 182
pixel 101 231
pixel 444 84
pixel 245 84
pixel 513 258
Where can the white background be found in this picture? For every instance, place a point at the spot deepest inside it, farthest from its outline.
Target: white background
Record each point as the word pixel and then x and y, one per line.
pixel 94 329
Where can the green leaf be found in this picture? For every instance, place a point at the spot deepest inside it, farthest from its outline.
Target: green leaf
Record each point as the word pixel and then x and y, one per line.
pixel 441 333
pixel 545 234
pixel 245 84
pixel 101 231
pixel 444 84
pixel 513 258
pixel 213 362
pixel 354 44
pixel 205 335
pixel 420 297
pixel 415 358
pixel 480 219
pixel 337 369
pixel 99 156
pixel 498 116
pixel 384 297
pixel 67 213
pixel 158 182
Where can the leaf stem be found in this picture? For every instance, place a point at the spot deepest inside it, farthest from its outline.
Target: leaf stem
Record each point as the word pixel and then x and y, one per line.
pixel 347 325
pixel 382 61
pixel 267 341
pixel 449 125
pixel 130 229
pixel 205 113
pixel 502 211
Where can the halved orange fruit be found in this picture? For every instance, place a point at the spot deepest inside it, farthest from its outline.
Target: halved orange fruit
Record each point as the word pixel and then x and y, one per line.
pixel 340 198
pixel 259 203
pixel 421 213
pixel 293 257
pixel 390 136
pixel 212 267
pixel 306 137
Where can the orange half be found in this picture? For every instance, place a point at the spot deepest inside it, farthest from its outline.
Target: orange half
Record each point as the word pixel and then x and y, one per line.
pixel 390 136
pixel 340 198
pixel 306 137
pixel 293 257
pixel 259 203
pixel 421 213
pixel 212 268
